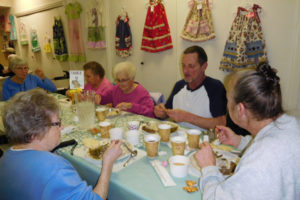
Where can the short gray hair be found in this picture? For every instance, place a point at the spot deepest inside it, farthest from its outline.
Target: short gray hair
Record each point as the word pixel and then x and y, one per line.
pixel 125 67
pixel 15 61
pixel 28 114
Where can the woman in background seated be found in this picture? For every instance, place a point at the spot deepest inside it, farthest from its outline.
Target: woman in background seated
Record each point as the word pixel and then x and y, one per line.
pixel 28 170
pixel 269 167
pixel 95 80
pixel 22 81
pixel 128 95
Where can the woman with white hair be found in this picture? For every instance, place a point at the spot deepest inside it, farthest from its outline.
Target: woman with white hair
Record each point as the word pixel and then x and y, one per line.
pixel 22 81
pixel 128 95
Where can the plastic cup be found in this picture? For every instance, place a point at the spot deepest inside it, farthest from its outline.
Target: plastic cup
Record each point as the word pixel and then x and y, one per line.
pixel 133 137
pixel 193 138
pixel 178 145
pixel 116 133
pixel 101 114
pixel 151 144
pixel 133 125
pixel 164 131
pixel 104 129
pixel 179 166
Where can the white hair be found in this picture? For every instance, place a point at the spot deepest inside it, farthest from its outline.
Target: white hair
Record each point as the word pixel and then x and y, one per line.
pixel 15 61
pixel 126 67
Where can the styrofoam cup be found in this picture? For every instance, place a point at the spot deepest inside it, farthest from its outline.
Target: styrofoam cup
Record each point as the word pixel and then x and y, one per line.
pixel 179 165
pixel 132 136
pixel 116 133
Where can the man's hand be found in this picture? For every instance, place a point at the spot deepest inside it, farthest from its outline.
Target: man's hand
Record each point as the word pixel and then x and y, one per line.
pixel 124 106
pixel 177 115
pixel 160 111
pixel 205 156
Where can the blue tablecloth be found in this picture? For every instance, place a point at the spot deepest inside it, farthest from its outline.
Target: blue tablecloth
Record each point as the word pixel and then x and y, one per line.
pixel 136 181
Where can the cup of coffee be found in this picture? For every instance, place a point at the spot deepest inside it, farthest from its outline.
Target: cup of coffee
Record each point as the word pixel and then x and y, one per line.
pixel 193 138
pixel 104 129
pixel 133 137
pixel 178 145
pixel 151 144
pixel 179 166
pixel 164 131
pixel 133 125
pixel 101 114
pixel 116 133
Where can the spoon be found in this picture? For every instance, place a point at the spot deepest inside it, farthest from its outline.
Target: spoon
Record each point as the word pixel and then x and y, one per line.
pixel 133 153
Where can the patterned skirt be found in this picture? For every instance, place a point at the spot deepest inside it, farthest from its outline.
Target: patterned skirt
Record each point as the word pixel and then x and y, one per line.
pixel 245 47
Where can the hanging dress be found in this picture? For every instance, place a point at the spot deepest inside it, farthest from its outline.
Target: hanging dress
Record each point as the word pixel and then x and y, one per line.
pixel 59 41
pixel 198 26
pixel 245 47
pixel 77 53
pixel 156 35
pixel 13 32
pixel 95 24
pixel 47 44
pixel 35 46
pixel 23 33
pixel 123 37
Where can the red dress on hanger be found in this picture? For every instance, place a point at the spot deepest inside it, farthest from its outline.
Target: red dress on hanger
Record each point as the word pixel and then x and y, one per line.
pixel 156 35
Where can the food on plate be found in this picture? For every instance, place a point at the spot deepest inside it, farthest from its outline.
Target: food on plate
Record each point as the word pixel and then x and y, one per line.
pixel 112 112
pixel 228 170
pixel 95 148
pixel 152 126
pixel 225 161
pixel 222 147
pixel 94 130
pixel 97 153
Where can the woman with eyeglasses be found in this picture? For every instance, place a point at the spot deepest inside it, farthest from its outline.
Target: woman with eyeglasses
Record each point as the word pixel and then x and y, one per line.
pixel 128 95
pixel 28 170
pixel 270 164
pixel 22 81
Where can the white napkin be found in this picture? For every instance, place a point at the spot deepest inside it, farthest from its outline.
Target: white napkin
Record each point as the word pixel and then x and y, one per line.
pixel 163 174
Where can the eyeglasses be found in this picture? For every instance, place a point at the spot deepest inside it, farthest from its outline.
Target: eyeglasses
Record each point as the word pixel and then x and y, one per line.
pixel 122 81
pixel 58 123
pixel 22 68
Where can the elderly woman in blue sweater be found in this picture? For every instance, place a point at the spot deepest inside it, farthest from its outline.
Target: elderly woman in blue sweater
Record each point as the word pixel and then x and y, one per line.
pixel 22 81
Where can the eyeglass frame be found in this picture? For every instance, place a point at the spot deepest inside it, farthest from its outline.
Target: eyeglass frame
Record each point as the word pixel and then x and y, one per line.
pixel 122 81
pixel 58 123
pixel 21 68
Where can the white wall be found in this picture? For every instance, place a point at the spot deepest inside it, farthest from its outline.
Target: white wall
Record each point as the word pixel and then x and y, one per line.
pixel 280 22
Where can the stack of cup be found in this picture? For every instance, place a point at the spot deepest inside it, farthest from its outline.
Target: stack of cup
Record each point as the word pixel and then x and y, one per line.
pixel 101 114
pixel 133 125
pixel 116 133
pixel 193 138
pixel 151 144
pixel 104 129
pixel 164 131
pixel 178 145
pixel 133 137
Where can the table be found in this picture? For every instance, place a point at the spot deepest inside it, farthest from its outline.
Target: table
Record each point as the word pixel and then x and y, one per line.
pixel 136 181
